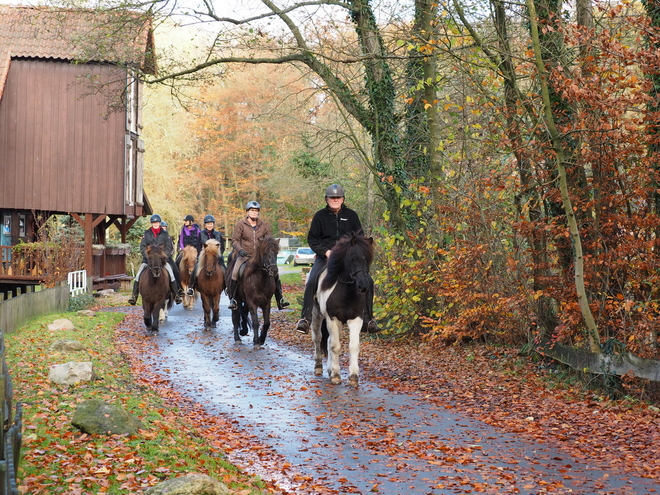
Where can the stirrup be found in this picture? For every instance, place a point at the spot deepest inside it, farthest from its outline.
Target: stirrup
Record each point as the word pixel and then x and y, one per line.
pixel 132 301
pixel 190 291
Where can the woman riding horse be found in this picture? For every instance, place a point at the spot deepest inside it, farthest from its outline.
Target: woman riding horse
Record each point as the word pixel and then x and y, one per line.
pixel 247 233
pixel 209 232
pixel 159 237
pixel 328 226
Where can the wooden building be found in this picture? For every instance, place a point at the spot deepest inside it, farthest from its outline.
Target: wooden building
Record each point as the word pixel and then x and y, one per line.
pixel 70 127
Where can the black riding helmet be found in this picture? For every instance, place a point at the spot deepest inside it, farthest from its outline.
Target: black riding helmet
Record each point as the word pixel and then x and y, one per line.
pixel 189 218
pixel 209 218
pixel 155 218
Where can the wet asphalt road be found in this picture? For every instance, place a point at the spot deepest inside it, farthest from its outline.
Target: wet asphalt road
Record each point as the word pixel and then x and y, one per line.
pixel 360 441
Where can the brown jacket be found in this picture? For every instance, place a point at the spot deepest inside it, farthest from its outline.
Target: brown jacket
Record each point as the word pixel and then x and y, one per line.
pixel 246 237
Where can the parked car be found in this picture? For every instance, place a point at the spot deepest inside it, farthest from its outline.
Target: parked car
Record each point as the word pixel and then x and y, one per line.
pixel 304 256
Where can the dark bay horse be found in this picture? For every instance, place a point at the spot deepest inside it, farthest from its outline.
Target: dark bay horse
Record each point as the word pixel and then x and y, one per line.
pixel 187 262
pixel 154 284
pixel 210 282
pixel 256 288
pixel 341 298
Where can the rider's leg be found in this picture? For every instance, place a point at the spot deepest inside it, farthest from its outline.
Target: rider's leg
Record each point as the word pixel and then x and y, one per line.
pixel 175 286
pixel 279 297
pixel 308 298
pixel 370 324
pixel 191 283
pixel 233 285
pixel 136 289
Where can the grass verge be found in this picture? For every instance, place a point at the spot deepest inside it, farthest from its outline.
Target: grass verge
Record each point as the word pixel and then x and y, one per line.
pixel 58 458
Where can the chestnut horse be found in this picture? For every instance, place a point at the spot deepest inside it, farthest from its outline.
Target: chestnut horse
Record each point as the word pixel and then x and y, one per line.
pixel 154 284
pixel 186 267
pixel 255 290
pixel 341 298
pixel 210 282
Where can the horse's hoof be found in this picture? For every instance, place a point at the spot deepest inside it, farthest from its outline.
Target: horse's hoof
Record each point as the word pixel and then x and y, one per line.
pixel 318 371
pixel 353 381
pixel 335 380
pixel 243 333
pixel 256 346
pixel 238 341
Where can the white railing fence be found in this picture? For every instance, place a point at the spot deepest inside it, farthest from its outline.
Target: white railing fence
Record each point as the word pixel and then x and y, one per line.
pixel 77 282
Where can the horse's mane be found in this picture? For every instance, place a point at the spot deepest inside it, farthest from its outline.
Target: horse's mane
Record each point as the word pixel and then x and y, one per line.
pixel 190 252
pixel 212 248
pixel 336 266
pixel 265 246
pixel 155 250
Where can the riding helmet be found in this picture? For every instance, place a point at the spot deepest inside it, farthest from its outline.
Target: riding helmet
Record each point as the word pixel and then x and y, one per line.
pixel 189 218
pixel 252 204
pixel 334 191
pixel 209 218
pixel 163 224
pixel 155 218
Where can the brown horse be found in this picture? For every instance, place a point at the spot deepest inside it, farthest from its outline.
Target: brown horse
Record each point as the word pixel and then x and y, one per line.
pixel 186 267
pixel 256 288
pixel 210 282
pixel 154 284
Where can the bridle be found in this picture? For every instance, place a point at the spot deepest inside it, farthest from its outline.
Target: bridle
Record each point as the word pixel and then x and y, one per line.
pixel 155 268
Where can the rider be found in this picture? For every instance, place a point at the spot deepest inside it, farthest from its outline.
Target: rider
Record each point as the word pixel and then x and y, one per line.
pixel 328 226
pixel 247 233
pixel 190 235
pixel 157 236
pixel 209 232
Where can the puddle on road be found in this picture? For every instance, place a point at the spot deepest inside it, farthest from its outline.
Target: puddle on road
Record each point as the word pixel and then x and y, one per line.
pixel 361 440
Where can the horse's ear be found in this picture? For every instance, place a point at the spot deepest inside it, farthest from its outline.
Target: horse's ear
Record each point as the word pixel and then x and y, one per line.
pixel 354 240
pixel 371 240
pixel 148 250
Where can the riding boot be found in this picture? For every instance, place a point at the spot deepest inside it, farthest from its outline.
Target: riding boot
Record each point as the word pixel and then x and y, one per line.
pixel 176 289
pixel 281 302
pixel 231 292
pixel 191 285
pixel 136 291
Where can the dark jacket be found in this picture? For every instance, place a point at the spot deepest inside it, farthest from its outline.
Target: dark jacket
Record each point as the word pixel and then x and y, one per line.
pixel 214 234
pixel 163 239
pixel 191 238
pixel 328 227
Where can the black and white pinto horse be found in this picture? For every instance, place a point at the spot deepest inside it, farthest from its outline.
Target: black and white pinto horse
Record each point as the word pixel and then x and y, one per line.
pixel 341 298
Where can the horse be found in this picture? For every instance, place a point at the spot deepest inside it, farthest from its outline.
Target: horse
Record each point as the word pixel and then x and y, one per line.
pixel 255 290
pixel 154 284
pixel 341 298
pixel 187 262
pixel 210 282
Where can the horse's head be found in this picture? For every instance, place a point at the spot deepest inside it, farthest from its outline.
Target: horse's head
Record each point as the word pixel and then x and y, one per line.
pixel 209 257
pixel 351 259
pixel 188 259
pixel 156 258
pixel 266 255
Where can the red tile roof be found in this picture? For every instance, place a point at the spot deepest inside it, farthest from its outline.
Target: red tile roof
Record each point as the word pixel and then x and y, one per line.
pixel 81 35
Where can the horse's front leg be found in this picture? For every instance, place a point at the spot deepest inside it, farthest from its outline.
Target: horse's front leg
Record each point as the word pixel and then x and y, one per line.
pixel 254 316
pixel 266 325
pixel 334 347
pixel 146 309
pixel 155 313
pixel 216 310
pixel 317 319
pixel 354 327
pixel 206 306
pixel 236 321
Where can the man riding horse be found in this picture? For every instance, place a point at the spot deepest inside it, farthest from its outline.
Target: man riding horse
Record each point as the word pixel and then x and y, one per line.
pixel 207 233
pixel 247 233
pixel 328 226
pixel 156 235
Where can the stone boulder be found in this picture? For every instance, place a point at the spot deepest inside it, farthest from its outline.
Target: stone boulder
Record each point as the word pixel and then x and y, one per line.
pixel 97 417
pixel 71 373
pixel 64 345
pixel 86 312
pixel 61 324
pixel 191 484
